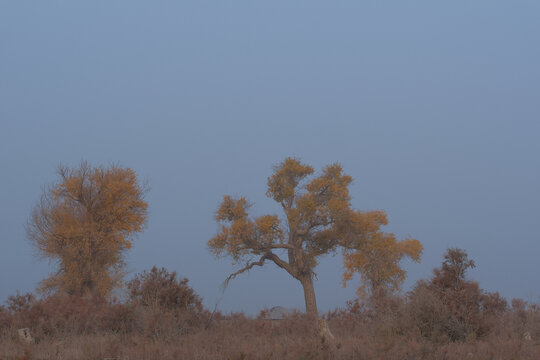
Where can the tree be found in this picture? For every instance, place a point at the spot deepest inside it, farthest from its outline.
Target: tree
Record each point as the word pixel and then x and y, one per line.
pixel 452 273
pixel 318 219
pixel 377 258
pixel 450 306
pixel 84 223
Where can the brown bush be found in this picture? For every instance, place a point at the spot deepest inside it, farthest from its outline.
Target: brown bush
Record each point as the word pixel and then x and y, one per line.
pixel 168 306
pixel 159 288
pixel 429 323
pixel 445 308
pixel 67 315
pixel 5 320
pixel 362 335
pixel 236 336
pixel 20 302
pixel 160 305
pixel 450 307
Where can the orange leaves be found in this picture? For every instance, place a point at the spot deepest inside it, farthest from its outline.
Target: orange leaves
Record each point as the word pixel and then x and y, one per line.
pixel 318 218
pixel 411 248
pixel 376 255
pixel 377 259
pixel 218 243
pixel 332 184
pixel 119 203
pixel 268 229
pixel 239 235
pixel 287 175
pixel 85 222
pixel 326 202
pixel 231 210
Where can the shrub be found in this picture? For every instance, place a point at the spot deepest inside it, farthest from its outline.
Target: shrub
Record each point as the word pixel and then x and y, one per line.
pixel 61 315
pixel 169 304
pixel 5 320
pixel 450 307
pixel 18 303
pixel 159 288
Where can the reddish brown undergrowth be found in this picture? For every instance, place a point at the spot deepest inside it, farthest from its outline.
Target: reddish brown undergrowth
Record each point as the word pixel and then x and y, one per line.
pixel 383 328
pixel 445 317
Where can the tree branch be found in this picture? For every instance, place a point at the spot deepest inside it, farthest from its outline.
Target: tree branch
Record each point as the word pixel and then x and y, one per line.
pixel 282 264
pixel 267 256
pixel 246 268
pixel 281 246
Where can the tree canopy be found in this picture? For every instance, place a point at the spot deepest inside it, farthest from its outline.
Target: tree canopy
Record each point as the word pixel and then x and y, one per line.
pixel 318 219
pixel 84 223
pixel 378 255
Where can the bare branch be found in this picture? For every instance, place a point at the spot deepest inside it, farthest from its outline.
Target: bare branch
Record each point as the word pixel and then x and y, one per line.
pixel 267 256
pixel 282 264
pixel 323 190
pixel 281 246
pixel 246 268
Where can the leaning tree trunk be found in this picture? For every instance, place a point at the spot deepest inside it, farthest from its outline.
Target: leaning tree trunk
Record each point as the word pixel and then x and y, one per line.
pixel 311 309
pixel 309 296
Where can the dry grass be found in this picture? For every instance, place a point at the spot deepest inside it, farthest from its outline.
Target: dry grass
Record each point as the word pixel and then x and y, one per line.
pixel 368 334
pixel 445 317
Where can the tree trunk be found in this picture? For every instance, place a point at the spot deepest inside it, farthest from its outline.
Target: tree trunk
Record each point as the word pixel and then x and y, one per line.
pixel 311 310
pixel 309 296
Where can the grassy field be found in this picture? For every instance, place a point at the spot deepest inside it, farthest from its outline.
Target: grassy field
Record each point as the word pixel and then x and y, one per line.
pixel 386 328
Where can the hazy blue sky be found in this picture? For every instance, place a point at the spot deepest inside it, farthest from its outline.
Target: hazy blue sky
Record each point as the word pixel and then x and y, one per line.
pixel 433 107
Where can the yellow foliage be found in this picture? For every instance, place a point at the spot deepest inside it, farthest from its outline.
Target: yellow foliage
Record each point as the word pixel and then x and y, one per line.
pixel 283 183
pixel 231 210
pixel 318 219
pixel 85 222
pixel 377 256
pixel 268 229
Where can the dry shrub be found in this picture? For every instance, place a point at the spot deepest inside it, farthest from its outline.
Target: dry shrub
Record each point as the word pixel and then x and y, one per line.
pixel 445 317
pixel 5 321
pixel 160 305
pixel 443 309
pixel 523 319
pixel 168 306
pixel 20 302
pixel 118 318
pixel 162 289
pixel 235 336
pixel 450 307
pixel 63 315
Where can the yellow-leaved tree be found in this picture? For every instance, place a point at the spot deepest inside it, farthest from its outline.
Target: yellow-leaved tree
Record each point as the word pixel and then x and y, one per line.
pixel 84 223
pixel 377 257
pixel 318 219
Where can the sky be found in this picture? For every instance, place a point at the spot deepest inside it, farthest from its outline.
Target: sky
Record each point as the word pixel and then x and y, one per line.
pixel 433 107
